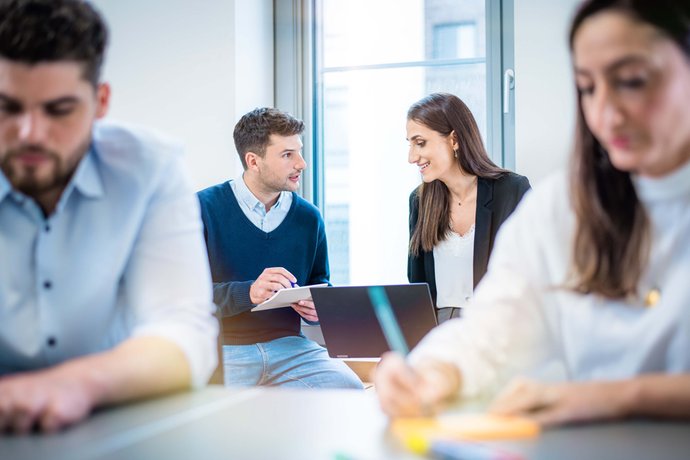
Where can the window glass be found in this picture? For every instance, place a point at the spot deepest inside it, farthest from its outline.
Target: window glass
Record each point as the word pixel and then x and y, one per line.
pixel 374 59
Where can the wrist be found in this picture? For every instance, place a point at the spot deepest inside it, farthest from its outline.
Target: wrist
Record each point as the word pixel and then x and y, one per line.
pixel 252 296
pixel 629 394
pixel 85 376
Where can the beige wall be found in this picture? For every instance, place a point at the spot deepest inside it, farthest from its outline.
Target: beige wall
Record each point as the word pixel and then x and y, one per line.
pixel 191 71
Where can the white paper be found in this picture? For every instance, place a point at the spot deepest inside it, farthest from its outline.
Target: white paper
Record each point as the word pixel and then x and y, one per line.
pixel 287 296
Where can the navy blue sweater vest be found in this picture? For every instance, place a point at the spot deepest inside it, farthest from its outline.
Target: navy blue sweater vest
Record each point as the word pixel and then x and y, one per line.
pixel 238 252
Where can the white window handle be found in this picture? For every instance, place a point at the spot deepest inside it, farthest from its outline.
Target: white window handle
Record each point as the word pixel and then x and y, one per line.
pixel 508 84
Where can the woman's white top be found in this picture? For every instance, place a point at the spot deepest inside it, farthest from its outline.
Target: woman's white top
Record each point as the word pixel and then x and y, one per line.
pixel 453 260
pixel 521 321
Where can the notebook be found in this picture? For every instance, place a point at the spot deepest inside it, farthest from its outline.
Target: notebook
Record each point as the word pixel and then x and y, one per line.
pixel 349 324
pixel 286 297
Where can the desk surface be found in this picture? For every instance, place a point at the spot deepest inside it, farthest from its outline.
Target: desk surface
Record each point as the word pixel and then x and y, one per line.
pixel 218 423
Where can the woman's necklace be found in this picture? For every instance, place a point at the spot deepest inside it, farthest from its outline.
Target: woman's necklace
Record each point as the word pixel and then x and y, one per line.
pixel 470 194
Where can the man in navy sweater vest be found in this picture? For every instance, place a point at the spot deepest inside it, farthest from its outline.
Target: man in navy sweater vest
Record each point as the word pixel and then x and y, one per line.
pixel 261 237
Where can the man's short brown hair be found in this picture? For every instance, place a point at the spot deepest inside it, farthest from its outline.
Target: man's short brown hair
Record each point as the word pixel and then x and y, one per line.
pixel 253 131
pixel 36 31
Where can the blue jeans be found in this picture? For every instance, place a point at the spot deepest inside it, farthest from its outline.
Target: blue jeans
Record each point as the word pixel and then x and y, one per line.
pixel 291 362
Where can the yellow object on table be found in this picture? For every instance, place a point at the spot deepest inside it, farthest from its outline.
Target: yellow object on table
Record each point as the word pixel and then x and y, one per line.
pixel 470 427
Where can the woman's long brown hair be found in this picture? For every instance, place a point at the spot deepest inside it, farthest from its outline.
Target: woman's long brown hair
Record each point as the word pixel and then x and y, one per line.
pixel 445 113
pixel 612 231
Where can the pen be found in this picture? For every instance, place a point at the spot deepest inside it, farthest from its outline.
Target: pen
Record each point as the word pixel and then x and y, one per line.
pixel 389 325
pixel 293 284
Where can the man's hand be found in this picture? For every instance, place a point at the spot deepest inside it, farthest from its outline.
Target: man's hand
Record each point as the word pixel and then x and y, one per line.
pixel 306 310
pixel 557 404
pixel 270 281
pixel 48 400
pixel 404 391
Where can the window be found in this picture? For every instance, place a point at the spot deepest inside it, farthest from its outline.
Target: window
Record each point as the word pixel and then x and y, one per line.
pixel 364 63
pixel 453 41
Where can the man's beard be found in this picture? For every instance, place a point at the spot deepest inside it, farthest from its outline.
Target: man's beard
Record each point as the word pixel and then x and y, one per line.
pixel 25 179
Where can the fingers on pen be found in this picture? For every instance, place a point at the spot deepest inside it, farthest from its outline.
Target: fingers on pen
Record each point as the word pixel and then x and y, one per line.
pixel 266 288
pixel 397 403
pixel 277 283
pixel 280 273
pixel 396 386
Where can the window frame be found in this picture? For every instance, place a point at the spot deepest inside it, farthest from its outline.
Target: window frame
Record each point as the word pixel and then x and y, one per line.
pixel 299 89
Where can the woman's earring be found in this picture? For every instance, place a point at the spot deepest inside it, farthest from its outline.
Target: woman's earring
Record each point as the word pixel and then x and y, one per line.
pixel 455 153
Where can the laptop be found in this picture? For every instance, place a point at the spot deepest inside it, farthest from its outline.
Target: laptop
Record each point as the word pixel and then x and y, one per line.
pixel 349 324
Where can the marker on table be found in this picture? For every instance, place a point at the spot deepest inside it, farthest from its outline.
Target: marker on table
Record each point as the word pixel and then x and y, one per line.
pixel 389 325
pixel 446 449
pixel 465 450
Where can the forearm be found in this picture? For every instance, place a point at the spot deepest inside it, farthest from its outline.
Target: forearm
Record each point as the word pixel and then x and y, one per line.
pixel 139 367
pixel 232 297
pixel 658 395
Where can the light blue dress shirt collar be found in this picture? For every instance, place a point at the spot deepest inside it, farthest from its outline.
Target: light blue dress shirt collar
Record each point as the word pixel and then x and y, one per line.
pixel 255 210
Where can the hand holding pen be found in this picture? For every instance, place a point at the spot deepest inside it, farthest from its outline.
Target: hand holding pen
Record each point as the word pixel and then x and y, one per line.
pixel 271 280
pixel 414 391
pixel 405 391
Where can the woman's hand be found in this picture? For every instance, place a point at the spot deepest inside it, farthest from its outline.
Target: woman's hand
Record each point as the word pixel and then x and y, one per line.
pixel 557 404
pixel 405 391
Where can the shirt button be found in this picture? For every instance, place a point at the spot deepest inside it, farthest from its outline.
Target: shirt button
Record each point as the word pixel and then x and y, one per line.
pixel 51 341
pixel 47 284
pixel 47 227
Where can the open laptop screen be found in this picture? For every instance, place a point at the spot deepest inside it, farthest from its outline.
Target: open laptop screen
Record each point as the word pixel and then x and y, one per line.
pixel 350 327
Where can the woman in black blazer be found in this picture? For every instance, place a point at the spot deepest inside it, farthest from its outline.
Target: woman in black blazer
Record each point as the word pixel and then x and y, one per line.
pixel 463 200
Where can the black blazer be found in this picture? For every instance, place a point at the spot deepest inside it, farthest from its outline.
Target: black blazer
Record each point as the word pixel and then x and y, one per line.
pixel 496 200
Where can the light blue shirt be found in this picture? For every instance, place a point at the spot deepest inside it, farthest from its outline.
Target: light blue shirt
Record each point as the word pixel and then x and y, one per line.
pixel 255 209
pixel 122 255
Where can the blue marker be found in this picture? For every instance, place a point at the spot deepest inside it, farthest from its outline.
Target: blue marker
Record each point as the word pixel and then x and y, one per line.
pixel 463 450
pixel 386 317
pixel 293 284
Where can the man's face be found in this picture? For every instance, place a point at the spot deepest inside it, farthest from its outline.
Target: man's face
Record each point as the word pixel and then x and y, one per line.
pixel 281 167
pixel 47 112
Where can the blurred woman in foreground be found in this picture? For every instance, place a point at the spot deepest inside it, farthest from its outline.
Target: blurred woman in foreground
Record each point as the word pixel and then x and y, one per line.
pixel 591 274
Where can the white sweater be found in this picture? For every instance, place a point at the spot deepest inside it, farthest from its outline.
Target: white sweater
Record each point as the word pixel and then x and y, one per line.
pixel 520 320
